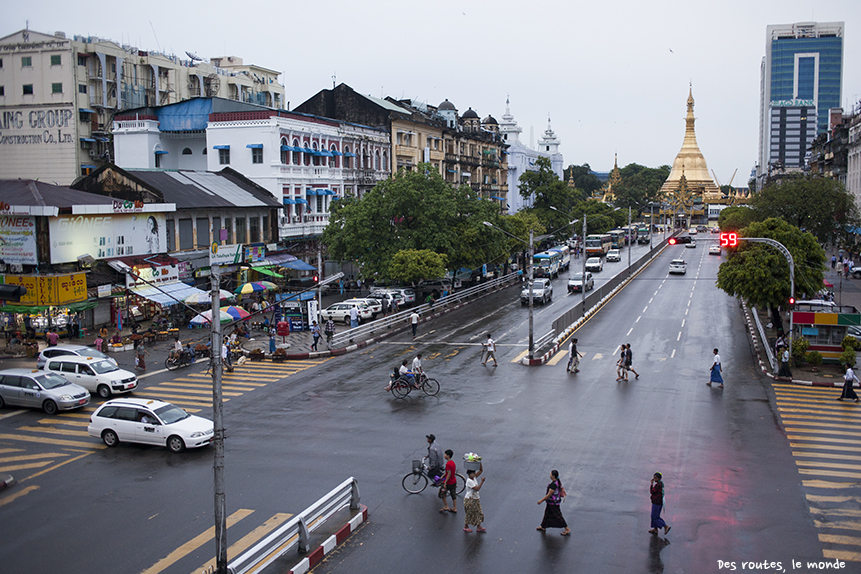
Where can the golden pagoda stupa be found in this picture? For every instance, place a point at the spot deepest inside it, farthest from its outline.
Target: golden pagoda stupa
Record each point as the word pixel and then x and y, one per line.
pixel 691 163
pixel 607 194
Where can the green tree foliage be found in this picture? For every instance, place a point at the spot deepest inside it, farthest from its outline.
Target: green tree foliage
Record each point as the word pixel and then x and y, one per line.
pixel 584 180
pixel 413 265
pixel 640 185
pixel 412 210
pixel 759 273
pixel 735 218
pixel 600 217
pixel 816 204
pixel 548 191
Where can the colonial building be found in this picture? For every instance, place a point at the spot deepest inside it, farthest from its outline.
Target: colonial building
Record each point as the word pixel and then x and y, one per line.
pixel 521 158
pixel 58 97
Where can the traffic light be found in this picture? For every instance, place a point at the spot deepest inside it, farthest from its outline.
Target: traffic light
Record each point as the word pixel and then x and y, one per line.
pixel 316 278
pixel 728 239
pixel 792 300
pixel 672 241
pixel 12 292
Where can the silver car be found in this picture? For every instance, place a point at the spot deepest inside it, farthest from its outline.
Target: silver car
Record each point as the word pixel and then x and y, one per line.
pixel 40 390
pixel 74 350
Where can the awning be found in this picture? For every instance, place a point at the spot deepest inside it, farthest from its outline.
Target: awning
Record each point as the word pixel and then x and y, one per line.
pixel 160 152
pixel 326 153
pixel 221 147
pixel 82 306
pixel 87 140
pixel 255 146
pixel 336 152
pixel 167 294
pixel 288 201
pixel 269 272
pixel 298 265
pixel 23 308
pixel 290 148
pixel 87 166
pixel 311 191
pixel 307 150
pixel 827 284
pixel 300 200
pixel 348 154
pixel 86 110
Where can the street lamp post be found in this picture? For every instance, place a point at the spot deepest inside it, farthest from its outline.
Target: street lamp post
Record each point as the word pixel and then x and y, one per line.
pixel 630 247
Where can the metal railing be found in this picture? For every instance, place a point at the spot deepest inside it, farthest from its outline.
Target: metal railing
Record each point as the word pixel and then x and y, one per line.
pixel 402 318
pixel 297 530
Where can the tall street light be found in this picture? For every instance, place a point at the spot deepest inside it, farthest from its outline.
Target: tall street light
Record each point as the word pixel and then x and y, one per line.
pixel 528 282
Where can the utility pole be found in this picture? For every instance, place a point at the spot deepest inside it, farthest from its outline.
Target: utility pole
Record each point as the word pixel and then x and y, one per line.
pixel 218 424
pixel 531 295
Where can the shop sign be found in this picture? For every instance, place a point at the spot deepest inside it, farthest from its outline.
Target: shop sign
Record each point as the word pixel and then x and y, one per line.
pixel 18 239
pixel 106 236
pixel 104 290
pixel 147 275
pixel 225 254
pixel 54 290
pixel 254 253
pixel 120 206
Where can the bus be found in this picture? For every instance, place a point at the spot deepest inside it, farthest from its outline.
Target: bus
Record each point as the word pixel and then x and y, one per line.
pixel 598 245
pixel 565 251
pixel 643 235
pixel 547 264
pixel 617 239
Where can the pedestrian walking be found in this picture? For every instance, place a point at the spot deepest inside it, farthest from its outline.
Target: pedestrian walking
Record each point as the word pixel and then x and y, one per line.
pixel 573 357
pixel 715 376
pixel 621 372
pixel 629 361
pixel 52 337
pixel 552 512
pixel 385 304
pixel 140 360
pixel 359 285
pixel 354 317
pixel 490 351
pixel 656 493
pixel 225 357
pixel 414 322
pixel 833 261
pixel 315 333
pixel 341 285
pixel 99 343
pixel 449 486
pixel 272 343
pixel 472 502
pixel 784 364
pixel 329 330
pixel 849 379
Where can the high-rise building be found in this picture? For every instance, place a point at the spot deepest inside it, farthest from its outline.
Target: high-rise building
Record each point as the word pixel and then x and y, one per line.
pixel 801 79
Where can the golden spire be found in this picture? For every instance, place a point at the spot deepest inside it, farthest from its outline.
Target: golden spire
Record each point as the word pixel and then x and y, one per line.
pixel 690 160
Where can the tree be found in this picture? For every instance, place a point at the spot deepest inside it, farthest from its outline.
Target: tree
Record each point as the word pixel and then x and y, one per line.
pixel 759 273
pixel 584 180
pixel 640 186
pixel 413 265
pixel 816 204
pixel 548 191
pixel 600 217
pixel 736 218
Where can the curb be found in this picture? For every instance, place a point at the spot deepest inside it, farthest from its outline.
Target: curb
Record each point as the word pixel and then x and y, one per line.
pixel 6 481
pixel 316 556
pixel 765 368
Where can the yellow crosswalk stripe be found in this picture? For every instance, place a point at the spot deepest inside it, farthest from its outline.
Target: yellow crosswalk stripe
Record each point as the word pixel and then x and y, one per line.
pixel 835 539
pixel 195 392
pixel 837 525
pixel 194 385
pixel 519 357
pixel 54 430
pixel 83 423
pixel 54 441
pixel 834 473
pixel 248 540
pixel 836 456
pixel 836 512
pixel 25 466
pixel 841 447
pixel 819 498
pixel 842 555
pixel 827 484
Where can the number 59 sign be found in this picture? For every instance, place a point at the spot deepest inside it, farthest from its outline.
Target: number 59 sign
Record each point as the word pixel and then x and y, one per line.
pixel 729 239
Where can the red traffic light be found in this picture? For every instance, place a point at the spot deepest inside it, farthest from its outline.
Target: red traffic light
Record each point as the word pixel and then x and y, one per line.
pixel 672 241
pixel 729 239
pixel 792 300
pixel 316 278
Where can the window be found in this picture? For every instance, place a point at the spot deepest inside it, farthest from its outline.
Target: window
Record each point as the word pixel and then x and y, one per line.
pixel 229 229
pixel 203 232
pixel 285 155
pixel 335 160
pixel 82 60
pixel 82 88
pixel 377 161
pixel 55 60
pixel 316 157
pixel 26 62
pixel 224 156
pixel 2 91
pixel 170 227
pixel 296 153
pixel 346 158
pixel 254 228
pixel 57 88
pixel 158 161
pixel 241 236
pixel 186 151
pixel 257 155
pixel 1 63
pixel 27 89
pixel 186 236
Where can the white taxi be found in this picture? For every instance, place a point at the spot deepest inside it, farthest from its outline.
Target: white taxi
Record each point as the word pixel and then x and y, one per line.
pixel 678 266
pixel 97 375
pixel 149 421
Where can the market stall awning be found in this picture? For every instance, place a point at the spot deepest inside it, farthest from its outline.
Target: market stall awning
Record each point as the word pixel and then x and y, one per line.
pixel 269 272
pixel 167 294
pixel 298 265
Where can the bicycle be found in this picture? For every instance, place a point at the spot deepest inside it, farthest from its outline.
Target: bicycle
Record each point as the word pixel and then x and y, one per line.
pixel 173 362
pixel 416 481
pixel 401 386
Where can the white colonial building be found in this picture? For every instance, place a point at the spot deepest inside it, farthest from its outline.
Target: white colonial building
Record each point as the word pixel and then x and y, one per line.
pixel 305 161
pixel 522 158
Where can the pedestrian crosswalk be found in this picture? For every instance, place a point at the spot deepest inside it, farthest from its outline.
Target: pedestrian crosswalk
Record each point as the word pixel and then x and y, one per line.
pixel 825 437
pixel 64 436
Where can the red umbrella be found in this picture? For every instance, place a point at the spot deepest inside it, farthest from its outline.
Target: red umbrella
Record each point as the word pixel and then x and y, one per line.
pixel 827 284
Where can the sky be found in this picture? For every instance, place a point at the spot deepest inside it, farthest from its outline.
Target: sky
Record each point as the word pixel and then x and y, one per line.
pixel 612 76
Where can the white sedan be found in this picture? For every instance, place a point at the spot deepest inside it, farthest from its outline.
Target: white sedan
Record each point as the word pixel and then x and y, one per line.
pixel 594 264
pixel 341 312
pixel 614 255
pixel 149 421
pixel 714 250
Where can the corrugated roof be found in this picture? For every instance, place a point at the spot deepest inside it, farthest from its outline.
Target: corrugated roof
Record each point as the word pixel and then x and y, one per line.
pixel 32 192
pixel 195 189
pixel 386 104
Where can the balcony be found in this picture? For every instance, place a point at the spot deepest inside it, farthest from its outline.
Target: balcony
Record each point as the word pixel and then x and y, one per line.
pixel 450 158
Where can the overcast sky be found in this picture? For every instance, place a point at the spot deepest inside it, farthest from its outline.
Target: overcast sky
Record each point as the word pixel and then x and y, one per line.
pixel 612 75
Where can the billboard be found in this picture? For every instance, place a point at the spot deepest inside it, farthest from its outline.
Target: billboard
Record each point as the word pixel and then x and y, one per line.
pixel 55 290
pixel 39 142
pixel 18 239
pixel 104 236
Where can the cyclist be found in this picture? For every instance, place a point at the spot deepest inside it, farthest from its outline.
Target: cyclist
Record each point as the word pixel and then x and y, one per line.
pixel 177 349
pixel 417 366
pixel 435 460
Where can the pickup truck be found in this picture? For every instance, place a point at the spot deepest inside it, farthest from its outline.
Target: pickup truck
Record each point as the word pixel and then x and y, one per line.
pixel 542 290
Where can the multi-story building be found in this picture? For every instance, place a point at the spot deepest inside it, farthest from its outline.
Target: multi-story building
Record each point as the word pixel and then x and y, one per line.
pixel 801 77
pixel 58 97
pixel 305 162
pixel 853 156
pixel 521 158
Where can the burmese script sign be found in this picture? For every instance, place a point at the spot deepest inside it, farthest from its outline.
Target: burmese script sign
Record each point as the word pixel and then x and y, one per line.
pixel 18 239
pixel 55 290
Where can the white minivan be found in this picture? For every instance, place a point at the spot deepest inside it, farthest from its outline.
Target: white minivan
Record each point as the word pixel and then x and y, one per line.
pixel 98 376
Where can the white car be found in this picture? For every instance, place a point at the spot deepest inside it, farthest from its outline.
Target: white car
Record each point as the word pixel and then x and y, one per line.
pixel 692 244
pixel 714 250
pixel 76 350
pixel 575 283
pixel 678 266
pixel 98 376
pixel 375 305
pixel 692 231
pixel 341 312
pixel 594 264
pixel 149 421
pixel 542 291
pixel 614 255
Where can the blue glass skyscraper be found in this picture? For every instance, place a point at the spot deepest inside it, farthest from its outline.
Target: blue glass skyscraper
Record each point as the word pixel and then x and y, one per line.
pixel 801 79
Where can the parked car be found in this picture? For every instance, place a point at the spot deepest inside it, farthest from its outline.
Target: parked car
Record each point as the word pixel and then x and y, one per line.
pixel 594 264
pixel 575 283
pixel 375 305
pixel 678 266
pixel 96 375
pixel 692 231
pixel 40 390
pixel 341 312
pixel 614 255
pixel 391 294
pixel 149 421
pixel 70 350
pixel 691 244
pixel 408 294
pixel 542 291
pixel 714 250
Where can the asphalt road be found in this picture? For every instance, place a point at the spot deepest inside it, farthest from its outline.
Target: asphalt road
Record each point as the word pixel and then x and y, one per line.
pixel 295 431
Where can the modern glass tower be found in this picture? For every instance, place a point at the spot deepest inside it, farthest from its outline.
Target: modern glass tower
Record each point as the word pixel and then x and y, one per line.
pixel 801 79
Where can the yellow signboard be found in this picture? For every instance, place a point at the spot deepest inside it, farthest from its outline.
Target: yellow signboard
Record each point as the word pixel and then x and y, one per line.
pixel 53 290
